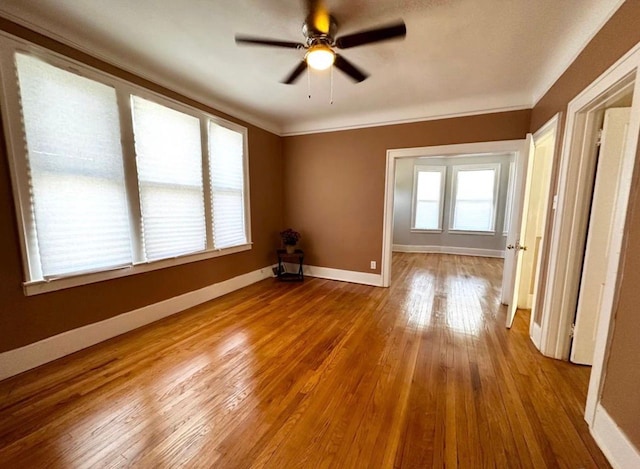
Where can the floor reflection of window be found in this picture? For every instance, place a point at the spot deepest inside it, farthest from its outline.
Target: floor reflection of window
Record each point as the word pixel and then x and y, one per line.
pixel 465 311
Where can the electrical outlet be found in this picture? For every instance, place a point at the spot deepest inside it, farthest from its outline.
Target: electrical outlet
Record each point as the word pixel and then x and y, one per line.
pixel 373 265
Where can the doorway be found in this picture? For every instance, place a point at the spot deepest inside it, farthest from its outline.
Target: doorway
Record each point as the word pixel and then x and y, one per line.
pixel 577 178
pixel 517 147
pixel 530 246
pixel 612 137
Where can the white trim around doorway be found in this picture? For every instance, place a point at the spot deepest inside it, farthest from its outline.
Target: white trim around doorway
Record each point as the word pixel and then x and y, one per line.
pixel 465 149
pixel 565 257
pixel 550 129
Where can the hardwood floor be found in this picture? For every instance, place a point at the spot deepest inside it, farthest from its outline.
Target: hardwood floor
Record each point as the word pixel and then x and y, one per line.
pixel 319 374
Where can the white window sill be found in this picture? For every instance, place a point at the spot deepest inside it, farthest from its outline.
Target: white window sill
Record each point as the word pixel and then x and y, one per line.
pixel 43 286
pixel 471 232
pixel 420 230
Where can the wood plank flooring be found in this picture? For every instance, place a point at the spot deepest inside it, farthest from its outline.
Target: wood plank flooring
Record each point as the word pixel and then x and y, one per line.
pixel 318 374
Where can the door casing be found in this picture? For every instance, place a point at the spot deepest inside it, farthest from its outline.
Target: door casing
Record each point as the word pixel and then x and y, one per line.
pixel 569 228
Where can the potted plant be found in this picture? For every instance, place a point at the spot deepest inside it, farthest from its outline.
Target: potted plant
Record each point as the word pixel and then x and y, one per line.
pixel 290 238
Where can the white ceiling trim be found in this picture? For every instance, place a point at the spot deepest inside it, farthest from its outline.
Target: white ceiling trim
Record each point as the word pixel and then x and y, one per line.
pixel 381 119
pixel 202 99
pixel 555 75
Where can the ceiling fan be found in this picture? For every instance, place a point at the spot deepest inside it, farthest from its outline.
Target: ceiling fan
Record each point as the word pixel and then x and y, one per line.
pixel 320 29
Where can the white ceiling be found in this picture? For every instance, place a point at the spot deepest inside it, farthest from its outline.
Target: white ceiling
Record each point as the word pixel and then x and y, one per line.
pixel 459 56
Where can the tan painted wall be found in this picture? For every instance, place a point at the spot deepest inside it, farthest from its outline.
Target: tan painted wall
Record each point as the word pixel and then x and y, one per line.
pixel 334 182
pixel 24 320
pixel 622 381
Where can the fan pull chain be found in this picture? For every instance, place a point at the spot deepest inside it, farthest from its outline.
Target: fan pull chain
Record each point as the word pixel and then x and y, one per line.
pixel 331 99
pixel 308 83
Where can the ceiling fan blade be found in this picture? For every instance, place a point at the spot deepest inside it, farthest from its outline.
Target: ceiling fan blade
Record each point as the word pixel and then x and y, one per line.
pixel 372 35
pixel 319 15
pixel 268 42
pixel 295 74
pixel 347 67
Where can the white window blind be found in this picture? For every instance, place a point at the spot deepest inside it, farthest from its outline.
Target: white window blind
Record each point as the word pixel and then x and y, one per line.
pixel 428 198
pixel 226 150
pixel 169 159
pixel 474 201
pixel 76 173
pixel 84 207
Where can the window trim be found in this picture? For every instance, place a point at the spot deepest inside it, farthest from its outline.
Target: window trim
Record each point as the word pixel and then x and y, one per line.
pixel 510 195
pixel 455 169
pixel 11 121
pixel 414 196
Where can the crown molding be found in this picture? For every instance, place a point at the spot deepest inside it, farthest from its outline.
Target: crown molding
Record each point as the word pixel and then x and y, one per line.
pixel 207 100
pixel 379 120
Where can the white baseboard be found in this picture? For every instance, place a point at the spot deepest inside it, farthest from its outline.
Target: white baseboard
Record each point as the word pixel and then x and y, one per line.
pixel 340 275
pixel 30 356
pixel 344 275
pixel 536 335
pixel 449 250
pixel 613 442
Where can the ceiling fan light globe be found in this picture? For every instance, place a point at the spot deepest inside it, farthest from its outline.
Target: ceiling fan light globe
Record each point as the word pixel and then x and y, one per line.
pixel 320 57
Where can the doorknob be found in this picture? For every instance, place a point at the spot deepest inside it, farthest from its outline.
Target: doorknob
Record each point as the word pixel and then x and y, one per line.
pixel 517 247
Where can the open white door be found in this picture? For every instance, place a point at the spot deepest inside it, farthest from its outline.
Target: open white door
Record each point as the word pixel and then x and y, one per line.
pixel 540 203
pixel 594 271
pixel 515 246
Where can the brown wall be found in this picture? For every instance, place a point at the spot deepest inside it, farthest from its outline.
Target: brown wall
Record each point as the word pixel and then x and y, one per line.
pixel 334 181
pixel 24 320
pixel 622 381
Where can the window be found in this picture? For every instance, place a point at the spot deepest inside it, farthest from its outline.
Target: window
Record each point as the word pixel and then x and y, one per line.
pixel 474 197
pixel 79 210
pixel 110 179
pixel 226 147
pixel 428 188
pixel 169 162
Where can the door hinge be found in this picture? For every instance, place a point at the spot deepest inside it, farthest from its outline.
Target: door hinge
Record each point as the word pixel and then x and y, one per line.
pixel 572 332
pixel 599 139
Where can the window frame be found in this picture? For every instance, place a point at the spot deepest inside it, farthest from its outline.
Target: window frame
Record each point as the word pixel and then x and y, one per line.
pixel 509 202
pixel 455 169
pixel 33 282
pixel 414 196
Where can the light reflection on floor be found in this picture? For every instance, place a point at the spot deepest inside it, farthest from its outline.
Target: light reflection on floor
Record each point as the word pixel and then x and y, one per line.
pixel 463 296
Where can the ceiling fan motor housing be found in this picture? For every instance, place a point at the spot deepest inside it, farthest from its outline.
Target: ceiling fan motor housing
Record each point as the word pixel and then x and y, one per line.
pixel 316 36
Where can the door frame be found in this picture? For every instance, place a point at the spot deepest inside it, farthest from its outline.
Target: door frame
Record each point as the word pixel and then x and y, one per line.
pixel 518 147
pixel 570 220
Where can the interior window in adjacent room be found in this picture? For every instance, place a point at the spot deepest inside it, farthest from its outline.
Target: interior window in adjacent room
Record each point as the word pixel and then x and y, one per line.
pixel 474 197
pixel 428 191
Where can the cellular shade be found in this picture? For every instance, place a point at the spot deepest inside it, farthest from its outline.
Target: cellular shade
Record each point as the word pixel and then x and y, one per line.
pixel 76 176
pixel 169 160
pixel 226 150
